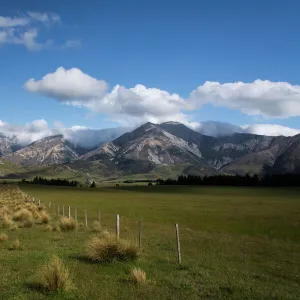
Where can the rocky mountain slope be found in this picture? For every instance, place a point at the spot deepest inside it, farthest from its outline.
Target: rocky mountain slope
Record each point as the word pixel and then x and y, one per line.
pixel 171 146
pixel 8 145
pixel 51 150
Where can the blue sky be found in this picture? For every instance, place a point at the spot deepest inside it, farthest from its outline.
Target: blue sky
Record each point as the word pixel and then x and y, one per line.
pixel 172 46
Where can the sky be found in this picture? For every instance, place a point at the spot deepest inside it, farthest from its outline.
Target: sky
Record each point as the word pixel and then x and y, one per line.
pixel 98 64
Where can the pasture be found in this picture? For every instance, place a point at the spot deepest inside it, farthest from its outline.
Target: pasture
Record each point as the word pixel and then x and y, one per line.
pixel 236 243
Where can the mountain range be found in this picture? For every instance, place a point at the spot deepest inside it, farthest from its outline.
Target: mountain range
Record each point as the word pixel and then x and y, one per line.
pixel 151 151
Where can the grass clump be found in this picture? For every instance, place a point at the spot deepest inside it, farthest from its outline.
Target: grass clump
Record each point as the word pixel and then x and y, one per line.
pixel 15 244
pixel 55 276
pixel 138 276
pixel 44 217
pixel 23 214
pixel 67 224
pixel 96 227
pixel 7 221
pixel 49 228
pixel 3 237
pixel 108 248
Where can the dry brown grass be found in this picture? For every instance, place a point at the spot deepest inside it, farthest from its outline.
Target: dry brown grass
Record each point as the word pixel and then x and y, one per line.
pixel 7 221
pixel 138 276
pixel 23 214
pixel 96 226
pixel 15 244
pixel 26 223
pixel 44 217
pixel 3 237
pixel 49 228
pixel 107 249
pixel 55 276
pixel 67 224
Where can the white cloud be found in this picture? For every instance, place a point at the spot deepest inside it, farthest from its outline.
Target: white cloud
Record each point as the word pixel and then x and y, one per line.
pixel 24 30
pixel 68 86
pixel 14 21
pixel 46 18
pixel 127 106
pixel 140 104
pixel 261 97
pixel 83 136
pixel 79 135
pixel 270 129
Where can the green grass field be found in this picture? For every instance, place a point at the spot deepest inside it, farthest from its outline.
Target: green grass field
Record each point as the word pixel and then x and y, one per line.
pixel 237 243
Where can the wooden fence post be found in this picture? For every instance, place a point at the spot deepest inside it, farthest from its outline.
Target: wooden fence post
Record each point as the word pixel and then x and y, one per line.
pixel 178 244
pixel 118 227
pixel 69 213
pixel 140 234
pixel 85 215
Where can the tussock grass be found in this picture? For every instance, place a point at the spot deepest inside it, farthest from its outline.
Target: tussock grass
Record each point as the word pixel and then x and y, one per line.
pixel 96 226
pixel 67 224
pixel 26 223
pixel 23 214
pixel 138 276
pixel 44 217
pixel 4 210
pixel 3 237
pixel 49 228
pixel 108 248
pixel 7 221
pixel 55 276
pixel 15 244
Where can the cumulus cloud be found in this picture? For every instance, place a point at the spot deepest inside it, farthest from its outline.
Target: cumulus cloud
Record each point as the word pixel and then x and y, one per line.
pixel 67 86
pixel 261 97
pixel 24 30
pixel 127 106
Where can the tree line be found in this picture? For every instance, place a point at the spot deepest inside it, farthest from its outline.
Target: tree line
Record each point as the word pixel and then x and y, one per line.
pixel 288 179
pixel 45 181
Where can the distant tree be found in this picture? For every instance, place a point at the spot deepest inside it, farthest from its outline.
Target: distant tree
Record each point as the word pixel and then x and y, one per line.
pixel 150 184
pixel 93 185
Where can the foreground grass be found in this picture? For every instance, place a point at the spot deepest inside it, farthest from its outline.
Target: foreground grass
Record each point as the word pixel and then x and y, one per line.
pixel 236 243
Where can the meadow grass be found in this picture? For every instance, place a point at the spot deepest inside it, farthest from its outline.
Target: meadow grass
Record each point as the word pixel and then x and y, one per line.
pixel 237 243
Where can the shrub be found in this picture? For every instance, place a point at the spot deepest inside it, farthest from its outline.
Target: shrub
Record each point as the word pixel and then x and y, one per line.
pixel 138 276
pixel 3 237
pixel 55 276
pixel 44 217
pixel 96 226
pixel 15 244
pixel 67 224
pixel 108 248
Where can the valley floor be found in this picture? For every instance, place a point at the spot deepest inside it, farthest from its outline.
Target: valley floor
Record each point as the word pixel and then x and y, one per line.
pixel 236 243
